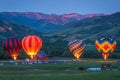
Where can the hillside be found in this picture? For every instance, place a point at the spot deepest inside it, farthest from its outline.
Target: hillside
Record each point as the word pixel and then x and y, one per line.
pixel 8 30
pixel 90 28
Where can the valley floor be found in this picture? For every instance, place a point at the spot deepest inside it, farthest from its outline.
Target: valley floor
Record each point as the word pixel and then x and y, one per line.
pixel 73 70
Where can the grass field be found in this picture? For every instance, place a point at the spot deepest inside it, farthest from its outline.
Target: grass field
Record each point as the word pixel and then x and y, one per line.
pixel 59 71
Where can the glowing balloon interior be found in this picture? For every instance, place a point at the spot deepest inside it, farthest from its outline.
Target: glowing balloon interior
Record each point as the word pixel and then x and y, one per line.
pixel 76 47
pixel 31 45
pixel 12 47
pixel 105 45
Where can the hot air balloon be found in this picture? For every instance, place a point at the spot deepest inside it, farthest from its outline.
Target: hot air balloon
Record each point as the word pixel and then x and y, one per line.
pixel 105 45
pixel 76 47
pixel 12 47
pixel 31 45
pixel 42 56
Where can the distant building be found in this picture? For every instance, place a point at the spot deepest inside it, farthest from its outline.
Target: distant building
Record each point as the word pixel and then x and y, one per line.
pixel 42 56
pixel 106 66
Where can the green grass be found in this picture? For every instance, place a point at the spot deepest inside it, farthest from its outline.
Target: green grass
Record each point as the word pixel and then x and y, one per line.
pixel 37 75
pixel 60 71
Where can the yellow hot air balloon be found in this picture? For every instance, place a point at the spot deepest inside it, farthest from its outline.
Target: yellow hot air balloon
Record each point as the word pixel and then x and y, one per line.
pixel 31 45
pixel 105 45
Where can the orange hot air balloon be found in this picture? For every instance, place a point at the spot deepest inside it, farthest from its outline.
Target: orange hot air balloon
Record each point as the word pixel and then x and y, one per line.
pixel 105 45
pixel 76 47
pixel 12 46
pixel 31 45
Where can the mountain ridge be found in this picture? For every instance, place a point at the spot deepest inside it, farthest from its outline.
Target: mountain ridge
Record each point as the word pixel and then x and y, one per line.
pixel 43 22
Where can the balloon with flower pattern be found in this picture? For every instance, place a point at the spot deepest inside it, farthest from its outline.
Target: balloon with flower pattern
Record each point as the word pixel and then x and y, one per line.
pixel 76 47
pixel 105 45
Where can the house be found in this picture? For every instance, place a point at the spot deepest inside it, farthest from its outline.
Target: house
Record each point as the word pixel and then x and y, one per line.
pixel 106 66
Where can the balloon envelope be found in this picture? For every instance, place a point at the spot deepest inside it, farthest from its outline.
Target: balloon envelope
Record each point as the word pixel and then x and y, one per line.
pixel 76 47
pixel 31 45
pixel 105 45
pixel 42 56
pixel 12 47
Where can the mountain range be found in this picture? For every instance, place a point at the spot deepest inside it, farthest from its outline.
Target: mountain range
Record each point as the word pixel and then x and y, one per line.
pixel 43 22
pixel 87 26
